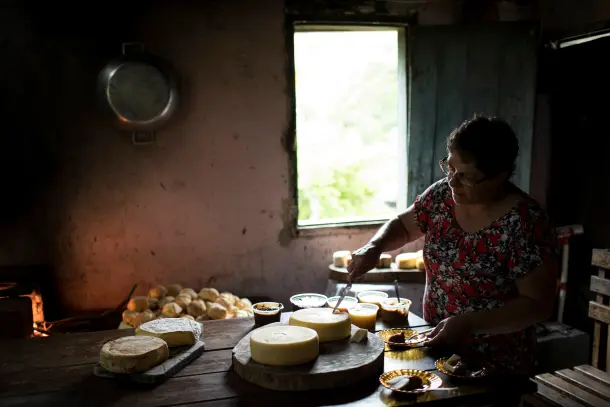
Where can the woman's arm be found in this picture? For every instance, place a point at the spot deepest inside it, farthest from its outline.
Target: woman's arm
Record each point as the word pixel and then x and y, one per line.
pixel 397 232
pixel 393 235
pixel 535 303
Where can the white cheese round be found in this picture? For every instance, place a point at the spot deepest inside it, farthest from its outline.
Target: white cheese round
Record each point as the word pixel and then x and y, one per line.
pixel 133 354
pixel 174 331
pixel 284 345
pixel 329 326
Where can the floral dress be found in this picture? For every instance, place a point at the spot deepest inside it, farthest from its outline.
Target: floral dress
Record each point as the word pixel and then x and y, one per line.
pixel 470 272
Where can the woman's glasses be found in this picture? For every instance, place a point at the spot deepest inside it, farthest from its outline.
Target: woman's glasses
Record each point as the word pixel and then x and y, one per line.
pixel 461 179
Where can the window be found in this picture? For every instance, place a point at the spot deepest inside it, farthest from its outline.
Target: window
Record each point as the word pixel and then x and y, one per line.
pixel 350 124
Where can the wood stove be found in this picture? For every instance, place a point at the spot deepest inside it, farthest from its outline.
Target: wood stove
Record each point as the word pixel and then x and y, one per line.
pixel 27 300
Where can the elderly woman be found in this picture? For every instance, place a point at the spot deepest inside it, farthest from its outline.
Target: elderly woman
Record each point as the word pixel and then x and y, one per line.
pixel 489 249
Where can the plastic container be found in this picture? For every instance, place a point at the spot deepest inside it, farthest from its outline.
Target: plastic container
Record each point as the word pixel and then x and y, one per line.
pixel 372 297
pixel 394 313
pixel 347 302
pixel 364 315
pixel 267 312
pixel 308 300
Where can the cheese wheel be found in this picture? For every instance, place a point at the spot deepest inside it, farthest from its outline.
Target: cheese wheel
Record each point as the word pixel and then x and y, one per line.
pixel 329 326
pixel 407 260
pixel 385 261
pixel 284 345
pixel 342 258
pixel 174 331
pixel 133 354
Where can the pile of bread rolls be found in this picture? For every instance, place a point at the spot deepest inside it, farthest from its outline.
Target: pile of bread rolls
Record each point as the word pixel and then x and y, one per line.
pixel 174 301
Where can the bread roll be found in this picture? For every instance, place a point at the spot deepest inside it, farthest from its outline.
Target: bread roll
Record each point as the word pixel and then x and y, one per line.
pixel 183 300
pixel 130 317
pixel 244 304
pixel 166 300
pixel 157 292
pixel 196 308
pixel 153 303
pixel 222 301
pixel 190 292
pixel 186 316
pixel 230 298
pixel 174 290
pixel 138 303
pixel 217 311
pixel 172 310
pixel 209 294
pixel 144 317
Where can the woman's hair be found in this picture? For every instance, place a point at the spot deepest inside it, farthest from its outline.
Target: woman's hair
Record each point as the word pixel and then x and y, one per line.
pixel 489 142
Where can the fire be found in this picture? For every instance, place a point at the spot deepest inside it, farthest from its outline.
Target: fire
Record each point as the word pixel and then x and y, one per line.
pixel 39 324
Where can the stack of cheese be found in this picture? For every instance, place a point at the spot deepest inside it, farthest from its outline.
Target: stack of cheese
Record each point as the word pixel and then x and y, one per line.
pixel 175 301
pixel 299 341
pixel 410 260
pixel 149 346
pixel 404 261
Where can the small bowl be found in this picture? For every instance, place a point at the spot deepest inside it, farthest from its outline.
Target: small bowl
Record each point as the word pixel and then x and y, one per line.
pixel 347 303
pixel 372 297
pixel 387 333
pixel 430 380
pixel 393 313
pixel 308 300
pixel 364 315
pixel 267 312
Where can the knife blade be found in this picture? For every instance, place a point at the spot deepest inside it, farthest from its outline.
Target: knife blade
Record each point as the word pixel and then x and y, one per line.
pixel 344 292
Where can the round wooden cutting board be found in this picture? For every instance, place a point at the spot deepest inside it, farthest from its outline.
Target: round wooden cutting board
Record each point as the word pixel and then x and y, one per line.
pixel 341 363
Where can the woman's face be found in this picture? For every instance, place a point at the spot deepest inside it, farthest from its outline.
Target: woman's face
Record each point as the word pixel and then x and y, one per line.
pixel 468 184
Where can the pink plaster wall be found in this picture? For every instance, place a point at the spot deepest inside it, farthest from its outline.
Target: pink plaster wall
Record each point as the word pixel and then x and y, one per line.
pixel 208 205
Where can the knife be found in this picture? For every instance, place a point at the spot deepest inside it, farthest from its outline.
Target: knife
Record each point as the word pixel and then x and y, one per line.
pixel 344 292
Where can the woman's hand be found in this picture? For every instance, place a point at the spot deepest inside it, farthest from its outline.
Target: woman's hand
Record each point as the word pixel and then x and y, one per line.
pixel 451 332
pixel 363 260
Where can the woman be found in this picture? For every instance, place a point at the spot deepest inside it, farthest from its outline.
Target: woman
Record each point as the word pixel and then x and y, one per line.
pixel 489 249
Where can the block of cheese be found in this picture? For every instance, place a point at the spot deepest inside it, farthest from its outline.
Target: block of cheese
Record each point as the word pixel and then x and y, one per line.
pixel 360 335
pixel 385 261
pixel 420 263
pixel 451 362
pixel 329 326
pixel 174 331
pixel 133 354
pixel 342 258
pixel 284 345
pixel 407 260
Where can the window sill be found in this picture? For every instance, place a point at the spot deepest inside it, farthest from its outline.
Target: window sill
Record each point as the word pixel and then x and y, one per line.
pixel 343 228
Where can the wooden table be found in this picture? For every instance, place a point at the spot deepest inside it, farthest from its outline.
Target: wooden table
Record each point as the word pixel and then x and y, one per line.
pixel 57 371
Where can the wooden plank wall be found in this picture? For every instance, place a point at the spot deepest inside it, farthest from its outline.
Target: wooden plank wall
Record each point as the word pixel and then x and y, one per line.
pixel 456 71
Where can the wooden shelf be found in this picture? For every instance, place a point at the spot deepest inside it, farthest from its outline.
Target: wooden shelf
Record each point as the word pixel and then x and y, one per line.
pixel 380 275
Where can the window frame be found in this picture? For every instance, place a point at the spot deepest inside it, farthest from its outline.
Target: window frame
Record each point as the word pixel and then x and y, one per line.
pixel 404 100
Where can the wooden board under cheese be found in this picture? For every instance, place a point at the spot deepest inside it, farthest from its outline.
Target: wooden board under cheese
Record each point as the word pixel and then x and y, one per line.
pixel 339 363
pixel 179 357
